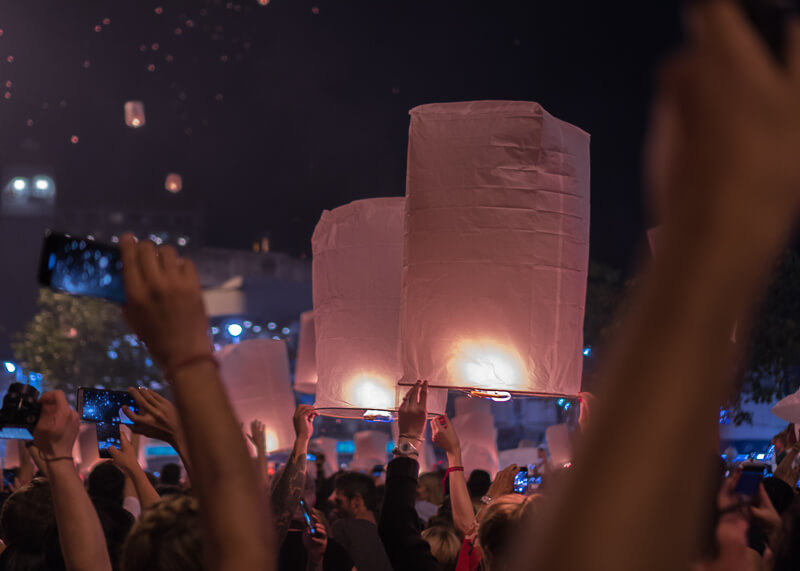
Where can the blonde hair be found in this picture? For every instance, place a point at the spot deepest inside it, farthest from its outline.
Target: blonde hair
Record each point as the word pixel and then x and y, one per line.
pixel 433 485
pixel 166 537
pixel 499 523
pixel 444 543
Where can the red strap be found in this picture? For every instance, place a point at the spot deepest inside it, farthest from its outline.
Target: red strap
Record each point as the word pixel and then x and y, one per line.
pixel 447 473
pixel 170 373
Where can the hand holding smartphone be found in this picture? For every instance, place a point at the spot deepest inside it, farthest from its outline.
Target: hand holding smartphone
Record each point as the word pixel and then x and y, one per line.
pixel 307 518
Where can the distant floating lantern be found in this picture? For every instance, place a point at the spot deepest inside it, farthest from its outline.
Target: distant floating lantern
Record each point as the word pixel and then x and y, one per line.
pixel 134 114
pixel 496 249
pixel 174 182
pixel 478 435
pixel 371 450
pixel 256 378
pixel 356 281
pixel 305 375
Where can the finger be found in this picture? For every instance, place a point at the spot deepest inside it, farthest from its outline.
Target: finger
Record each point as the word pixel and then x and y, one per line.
pixel 168 260
pixel 188 272
pixel 149 396
pixel 135 418
pixel 125 444
pixel 131 276
pixel 138 397
pixel 113 452
pixel 148 264
pixel 423 396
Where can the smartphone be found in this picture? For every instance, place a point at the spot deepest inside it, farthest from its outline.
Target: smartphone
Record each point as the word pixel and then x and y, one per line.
pixel 80 266
pixel 307 518
pixel 9 475
pixel 107 436
pixel 748 483
pixel 521 481
pixel 101 405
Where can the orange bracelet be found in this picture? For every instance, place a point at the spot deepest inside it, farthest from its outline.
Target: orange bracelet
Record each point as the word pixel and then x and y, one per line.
pixel 170 372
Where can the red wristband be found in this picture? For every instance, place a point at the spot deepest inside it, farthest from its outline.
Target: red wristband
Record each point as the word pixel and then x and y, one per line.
pixel 169 373
pixel 447 473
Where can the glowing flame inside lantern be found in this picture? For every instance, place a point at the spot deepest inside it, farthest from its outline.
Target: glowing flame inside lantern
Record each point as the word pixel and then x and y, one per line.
pixel 272 440
pixel 488 365
pixel 174 182
pixel 370 392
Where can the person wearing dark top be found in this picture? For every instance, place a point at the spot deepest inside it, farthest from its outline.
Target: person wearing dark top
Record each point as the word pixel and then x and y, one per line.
pixel 400 527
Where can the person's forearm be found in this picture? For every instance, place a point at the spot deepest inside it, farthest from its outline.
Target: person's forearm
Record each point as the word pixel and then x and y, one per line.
pixel 463 514
pixel 262 469
pixel 232 504
pixel 80 534
pixel 145 491
pixel 288 489
pixel 664 385
pixel 178 442
pixel 25 472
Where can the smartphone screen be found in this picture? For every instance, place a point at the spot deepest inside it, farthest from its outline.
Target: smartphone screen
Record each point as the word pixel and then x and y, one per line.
pixel 748 483
pixel 521 481
pixel 15 433
pixel 9 476
pixel 307 518
pixel 107 435
pixel 80 266
pixel 101 405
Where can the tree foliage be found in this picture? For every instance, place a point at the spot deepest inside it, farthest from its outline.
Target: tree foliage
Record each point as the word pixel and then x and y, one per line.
pixel 79 341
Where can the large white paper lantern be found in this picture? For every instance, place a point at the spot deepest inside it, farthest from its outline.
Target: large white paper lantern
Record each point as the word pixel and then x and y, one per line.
pixel 256 377
pixel 496 250
pixel 371 449
pixel 478 438
pixel 520 456
pixel 560 444
pixel 305 372
pixel 134 114
pixel 356 273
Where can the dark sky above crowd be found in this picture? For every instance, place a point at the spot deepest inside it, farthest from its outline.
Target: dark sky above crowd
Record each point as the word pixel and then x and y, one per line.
pixel 272 113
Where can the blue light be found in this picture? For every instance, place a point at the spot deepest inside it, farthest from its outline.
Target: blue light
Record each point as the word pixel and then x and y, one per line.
pixel 112 355
pixel 248 324
pixel 10 367
pixel 214 330
pixel 560 402
pixel 346 447
pixel 148 362
pixel 271 325
pixel 234 329
pixel 567 405
pixel 256 329
pixel 587 352
pixel 286 331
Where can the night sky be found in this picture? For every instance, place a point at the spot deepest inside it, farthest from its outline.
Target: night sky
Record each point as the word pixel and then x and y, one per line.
pixel 274 113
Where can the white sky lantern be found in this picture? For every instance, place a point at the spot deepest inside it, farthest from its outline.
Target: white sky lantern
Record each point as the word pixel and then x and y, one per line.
pixel 559 443
pixel 474 425
pixel 356 273
pixel 174 182
pixel 134 114
pixel 305 373
pixel 327 446
pixel 496 250
pixel 371 449
pixel 256 376
pixel 519 456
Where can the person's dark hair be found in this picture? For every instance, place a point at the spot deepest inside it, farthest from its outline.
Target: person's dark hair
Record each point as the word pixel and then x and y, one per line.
pixel 106 482
pixel 171 475
pixel 117 523
pixel 28 528
pixel 787 553
pixel 352 483
pixel 780 494
pixel 478 483
pixel 166 537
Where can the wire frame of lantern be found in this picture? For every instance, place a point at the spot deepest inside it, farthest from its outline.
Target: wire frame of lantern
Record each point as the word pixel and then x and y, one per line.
pixel 173 183
pixel 357 270
pixel 256 377
pixel 134 114
pixel 305 372
pixel 496 249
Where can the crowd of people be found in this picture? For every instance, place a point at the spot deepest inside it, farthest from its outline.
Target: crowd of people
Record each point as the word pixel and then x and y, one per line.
pixel 723 169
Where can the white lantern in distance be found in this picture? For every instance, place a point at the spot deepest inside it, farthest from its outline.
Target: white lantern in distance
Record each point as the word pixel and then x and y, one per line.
pixel 174 182
pixel 134 114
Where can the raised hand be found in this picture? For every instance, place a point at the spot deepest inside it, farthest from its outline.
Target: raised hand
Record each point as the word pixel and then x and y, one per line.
pixel 157 417
pixel 444 435
pixel 57 428
pixel 125 457
pixel 164 304
pixel 258 436
pixel 317 544
pixel 503 482
pixel 413 412
pixel 303 420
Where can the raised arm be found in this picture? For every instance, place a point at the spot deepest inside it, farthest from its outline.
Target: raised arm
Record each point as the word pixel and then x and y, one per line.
pixel 445 437
pixel 165 309
pixel 289 486
pixel 258 438
pixel 727 134
pixel 80 534
pixel 125 459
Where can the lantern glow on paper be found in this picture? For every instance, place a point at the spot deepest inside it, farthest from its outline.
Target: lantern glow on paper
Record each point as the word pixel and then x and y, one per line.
pixel 134 114
pixel 305 374
pixel 174 182
pixel 496 249
pixel 256 376
pixel 357 270
pixel 474 425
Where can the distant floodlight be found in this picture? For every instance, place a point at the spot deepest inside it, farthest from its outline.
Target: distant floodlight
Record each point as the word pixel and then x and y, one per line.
pixel 10 367
pixel 271 325
pixel 44 187
pixel 19 184
pixel 587 352
pixel 286 331
pixel 182 241
pixel 42 184
pixel 134 114
pixel 234 329
pixel 174 182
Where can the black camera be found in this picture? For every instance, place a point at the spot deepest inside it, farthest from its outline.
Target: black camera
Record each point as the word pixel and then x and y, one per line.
pixel 21 408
